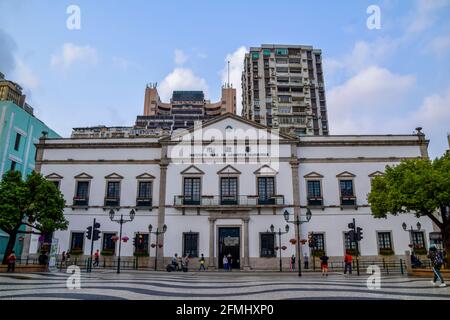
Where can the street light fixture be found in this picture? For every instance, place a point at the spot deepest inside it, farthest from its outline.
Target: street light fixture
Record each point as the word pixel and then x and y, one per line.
pixel 298 222
pixel 272 229
pixel 120 221
pixel 157 233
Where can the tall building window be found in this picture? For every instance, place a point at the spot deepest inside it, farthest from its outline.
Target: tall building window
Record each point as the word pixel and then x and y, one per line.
pixel 191 191
pixel 349 244
pixel 314 193
pixel 17 142
pixel 228 190
pixel 384 241
pixel 418 239
pixel 319 244
pixel 266 190
pixel 56 183
pixel 108 245
pixel 13 165
pixel 112 193
pixel 77 242
pixel 141 244
pixel 190 244
pixel 267 245
pixel 347 193
pixel 144 198
pixel 81 194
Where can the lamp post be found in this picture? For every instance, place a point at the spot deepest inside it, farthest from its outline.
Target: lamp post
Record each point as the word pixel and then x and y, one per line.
pixel 157 233
pixel 411 230
pixel 272 229
pixel 120 221
pixel 298 222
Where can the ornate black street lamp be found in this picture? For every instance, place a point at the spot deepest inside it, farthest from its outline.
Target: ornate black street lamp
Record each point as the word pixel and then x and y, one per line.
pixel 298 222
pixel 272 229
pixel 120 221
pixel 411 231
pixel 157 233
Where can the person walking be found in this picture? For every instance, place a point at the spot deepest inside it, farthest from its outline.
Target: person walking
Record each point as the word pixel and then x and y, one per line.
pixel 63 259
pixel 305 261
pixel 324 265
pixel 202 263
pixel 230 261
pixel 437 260
pixel 348 262
pixel 11 261
pixel 225 262
pixel 96 258
pixel 67 258
pixel 292 264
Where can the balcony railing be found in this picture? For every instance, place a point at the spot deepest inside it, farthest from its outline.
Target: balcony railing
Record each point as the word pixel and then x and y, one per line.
pixel 217 200
pixel 315 201
pixel 112 202
pixel 348 201
pixel 80 201
pixel 144 202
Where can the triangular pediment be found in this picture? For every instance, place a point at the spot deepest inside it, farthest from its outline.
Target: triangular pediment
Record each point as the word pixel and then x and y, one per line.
pixel 113 176
pixel 145 176
pixel 313 174
pixel 227 124
pixel 345 174
pixel 376 174
pixel 229 169
pixel 83 175
pixel 192 170
pixel 266 170
pixel 53 176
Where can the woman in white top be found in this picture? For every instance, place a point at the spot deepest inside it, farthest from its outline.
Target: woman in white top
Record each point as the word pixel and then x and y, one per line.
pixel 225 263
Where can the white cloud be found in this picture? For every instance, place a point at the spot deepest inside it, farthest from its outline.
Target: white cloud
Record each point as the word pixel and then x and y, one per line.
pixel 236 66
pixel 123 63
pixel 71 54
pixel 440 45
pixel 425 14
pixel 181 79
pixel 180 57
pixel 354 106
pixel 25 76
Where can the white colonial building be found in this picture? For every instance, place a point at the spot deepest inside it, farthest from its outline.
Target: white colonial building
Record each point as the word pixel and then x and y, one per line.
pixel 218 189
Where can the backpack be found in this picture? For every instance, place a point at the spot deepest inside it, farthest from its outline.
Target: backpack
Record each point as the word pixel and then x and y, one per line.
pixel 438 261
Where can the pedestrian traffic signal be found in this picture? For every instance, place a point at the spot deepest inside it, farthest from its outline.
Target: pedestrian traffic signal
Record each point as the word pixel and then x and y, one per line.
pixel 96 234
pixel 351 225
pixel 89 232
pixel 352 235
pixel 359 234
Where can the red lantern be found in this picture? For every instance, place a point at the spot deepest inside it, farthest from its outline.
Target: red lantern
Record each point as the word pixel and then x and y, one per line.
pixel 114 238
pixel 160 245
pixel 303 241
pixel 293 241
pixel 284 247
pixel 153 245
pixel 125 239
pixel 276 248
pixel 410 245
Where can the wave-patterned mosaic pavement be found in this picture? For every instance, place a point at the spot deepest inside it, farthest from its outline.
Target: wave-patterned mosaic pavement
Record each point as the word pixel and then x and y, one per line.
pixel 138 285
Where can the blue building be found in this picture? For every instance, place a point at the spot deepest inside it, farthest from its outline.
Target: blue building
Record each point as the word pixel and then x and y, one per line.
pixel 19 131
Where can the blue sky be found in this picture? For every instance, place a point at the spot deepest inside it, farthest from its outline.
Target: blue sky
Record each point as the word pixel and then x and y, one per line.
pixel 387 80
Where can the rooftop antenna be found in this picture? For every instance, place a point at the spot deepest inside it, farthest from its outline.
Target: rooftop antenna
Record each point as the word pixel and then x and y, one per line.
pixel 228 73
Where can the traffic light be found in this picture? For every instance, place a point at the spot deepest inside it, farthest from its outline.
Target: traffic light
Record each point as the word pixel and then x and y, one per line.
pixel 351 225
pixel 351 235
pixel 311 240
pixel 359 234
pixel 96 234
pixel 89 232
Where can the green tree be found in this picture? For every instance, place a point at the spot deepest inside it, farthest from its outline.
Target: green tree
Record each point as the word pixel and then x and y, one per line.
pixel 35 203
pixel 418 186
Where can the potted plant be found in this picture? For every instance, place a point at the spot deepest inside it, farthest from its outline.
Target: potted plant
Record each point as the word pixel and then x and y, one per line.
pixel 141 254
pixel 386 252
pixel 76 252
pixel 318 253
pixel 107 252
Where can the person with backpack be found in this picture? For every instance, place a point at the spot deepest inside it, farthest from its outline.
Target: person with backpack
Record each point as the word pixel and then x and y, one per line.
pixel 348 262
pixel 11 260
pixel 202 263
pixel 324 265
pixel 437 260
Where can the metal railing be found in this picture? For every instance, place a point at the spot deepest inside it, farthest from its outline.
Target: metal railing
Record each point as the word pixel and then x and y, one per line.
pixel 216 200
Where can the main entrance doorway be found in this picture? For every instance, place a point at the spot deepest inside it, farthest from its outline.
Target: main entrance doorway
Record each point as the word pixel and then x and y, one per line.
pixel 230 243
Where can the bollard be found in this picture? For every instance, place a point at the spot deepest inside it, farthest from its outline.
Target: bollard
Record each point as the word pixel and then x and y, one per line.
pixel 401 267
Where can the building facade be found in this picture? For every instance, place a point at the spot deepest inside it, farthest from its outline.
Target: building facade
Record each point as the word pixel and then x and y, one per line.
pixel 283 87
pixel 184 109
pixel 19 132
pixel 219 187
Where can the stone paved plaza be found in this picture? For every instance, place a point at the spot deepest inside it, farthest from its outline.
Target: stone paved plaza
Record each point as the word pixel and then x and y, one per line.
pixel 213 285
